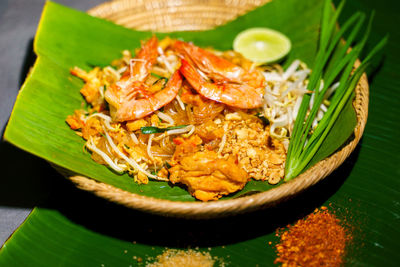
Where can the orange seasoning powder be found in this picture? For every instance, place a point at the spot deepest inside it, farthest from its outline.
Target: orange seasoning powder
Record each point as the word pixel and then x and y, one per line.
pixel 318 240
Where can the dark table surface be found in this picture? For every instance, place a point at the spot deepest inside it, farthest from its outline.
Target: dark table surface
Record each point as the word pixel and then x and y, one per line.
pixel 26 181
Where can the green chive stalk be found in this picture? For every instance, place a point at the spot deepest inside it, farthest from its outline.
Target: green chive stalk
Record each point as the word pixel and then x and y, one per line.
pixel 333 63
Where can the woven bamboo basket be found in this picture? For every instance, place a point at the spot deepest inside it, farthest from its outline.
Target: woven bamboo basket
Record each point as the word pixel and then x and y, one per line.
pixel 200 15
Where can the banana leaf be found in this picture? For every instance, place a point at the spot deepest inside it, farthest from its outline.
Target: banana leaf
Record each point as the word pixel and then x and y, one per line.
pixel 68 38
pixel 86 231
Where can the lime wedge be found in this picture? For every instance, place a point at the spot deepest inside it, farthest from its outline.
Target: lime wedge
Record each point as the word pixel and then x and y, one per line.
pixel 262 45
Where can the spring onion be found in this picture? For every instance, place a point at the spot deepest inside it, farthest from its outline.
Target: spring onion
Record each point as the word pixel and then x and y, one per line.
pixel 334 63
pixel 153 129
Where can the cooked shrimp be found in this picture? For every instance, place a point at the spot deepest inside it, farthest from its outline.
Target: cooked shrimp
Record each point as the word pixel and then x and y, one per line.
pixel 128 98
pixel 232 85
pixel 236 95
pixel 218 68
pixel 210 64
pixel 133 77
pixel 139 108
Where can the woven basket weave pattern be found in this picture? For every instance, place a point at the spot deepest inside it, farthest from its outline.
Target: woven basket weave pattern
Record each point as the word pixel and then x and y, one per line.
pixel 200 15
pixel 167 16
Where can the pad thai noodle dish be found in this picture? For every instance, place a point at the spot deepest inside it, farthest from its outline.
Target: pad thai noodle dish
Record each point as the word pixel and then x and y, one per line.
pixel 203 119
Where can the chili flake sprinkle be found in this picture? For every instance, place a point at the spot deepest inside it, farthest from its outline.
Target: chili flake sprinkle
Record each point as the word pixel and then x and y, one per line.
pixel 318 240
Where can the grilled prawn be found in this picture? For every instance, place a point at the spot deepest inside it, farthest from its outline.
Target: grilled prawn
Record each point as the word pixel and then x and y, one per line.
pixel 218 79
pixel 129 98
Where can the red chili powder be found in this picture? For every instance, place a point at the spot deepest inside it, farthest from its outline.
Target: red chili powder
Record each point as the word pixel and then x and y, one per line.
pixel 318 240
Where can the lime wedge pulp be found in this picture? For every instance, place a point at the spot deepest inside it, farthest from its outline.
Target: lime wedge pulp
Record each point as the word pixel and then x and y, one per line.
pixel 262 45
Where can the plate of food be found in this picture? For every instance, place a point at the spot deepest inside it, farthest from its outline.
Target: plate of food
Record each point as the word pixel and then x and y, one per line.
pixel 175 122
